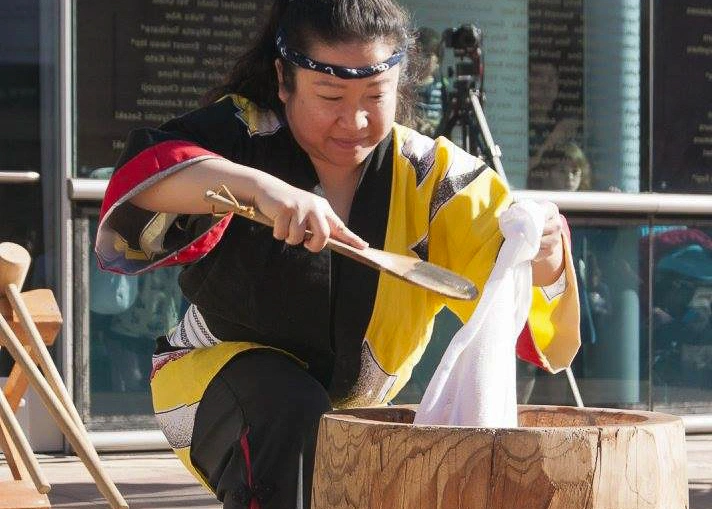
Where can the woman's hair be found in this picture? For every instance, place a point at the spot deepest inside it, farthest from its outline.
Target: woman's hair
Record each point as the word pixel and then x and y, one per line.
pixel 429 42
pixel 306 22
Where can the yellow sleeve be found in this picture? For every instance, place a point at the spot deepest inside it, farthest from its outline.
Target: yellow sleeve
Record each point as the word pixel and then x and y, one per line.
pixel 465 235
pixel 552 336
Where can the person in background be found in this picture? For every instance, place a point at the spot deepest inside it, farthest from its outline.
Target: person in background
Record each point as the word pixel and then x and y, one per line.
pixel 279 330
pixel 564 168
pixel 432 89
pixel 556 160
pixel 682 312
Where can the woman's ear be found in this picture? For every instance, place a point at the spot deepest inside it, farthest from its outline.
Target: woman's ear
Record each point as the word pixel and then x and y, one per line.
pixel 281 89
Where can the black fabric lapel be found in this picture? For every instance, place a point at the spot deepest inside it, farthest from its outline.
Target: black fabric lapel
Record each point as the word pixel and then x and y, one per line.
pixel 355 285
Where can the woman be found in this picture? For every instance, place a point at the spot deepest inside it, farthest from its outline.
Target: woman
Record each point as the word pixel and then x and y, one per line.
pixel 277 334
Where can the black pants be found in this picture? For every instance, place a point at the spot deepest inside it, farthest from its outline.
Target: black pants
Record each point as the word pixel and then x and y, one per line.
pixel 255 432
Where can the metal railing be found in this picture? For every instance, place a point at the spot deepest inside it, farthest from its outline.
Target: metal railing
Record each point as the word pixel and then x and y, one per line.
pixel 19 177
pixel 567 201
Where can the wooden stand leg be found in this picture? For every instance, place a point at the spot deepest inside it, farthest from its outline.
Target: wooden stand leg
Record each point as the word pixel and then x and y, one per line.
pixel 18 439
pixel 65 422
pixel 14 463
pixel 41 354
pixel 19 493
pixel 15 387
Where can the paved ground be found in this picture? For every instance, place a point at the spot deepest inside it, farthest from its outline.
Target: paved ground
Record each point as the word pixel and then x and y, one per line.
pixel 699 469
pixel 158 480
pixel 146 480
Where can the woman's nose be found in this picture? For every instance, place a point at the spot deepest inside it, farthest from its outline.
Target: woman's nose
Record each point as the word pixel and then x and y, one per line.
pixel 354 118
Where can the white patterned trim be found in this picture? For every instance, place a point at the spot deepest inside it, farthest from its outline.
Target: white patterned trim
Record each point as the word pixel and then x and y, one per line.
pixel 192 332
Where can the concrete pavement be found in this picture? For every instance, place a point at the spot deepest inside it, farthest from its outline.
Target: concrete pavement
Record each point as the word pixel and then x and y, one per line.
pixel 699 470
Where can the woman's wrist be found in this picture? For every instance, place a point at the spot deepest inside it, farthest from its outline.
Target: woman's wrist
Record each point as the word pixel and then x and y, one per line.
pixel 548 270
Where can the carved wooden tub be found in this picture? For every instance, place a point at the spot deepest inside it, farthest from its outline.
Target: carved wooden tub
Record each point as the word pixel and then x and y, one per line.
pixel 561 458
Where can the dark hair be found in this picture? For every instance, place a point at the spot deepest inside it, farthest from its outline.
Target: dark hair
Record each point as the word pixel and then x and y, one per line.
pixel 306 22
pixel 428 41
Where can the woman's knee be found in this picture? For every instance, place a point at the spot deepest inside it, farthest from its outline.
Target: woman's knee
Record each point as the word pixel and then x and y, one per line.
pixel 273 384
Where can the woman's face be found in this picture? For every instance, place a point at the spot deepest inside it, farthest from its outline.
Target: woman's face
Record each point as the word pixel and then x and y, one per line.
pixel 339 122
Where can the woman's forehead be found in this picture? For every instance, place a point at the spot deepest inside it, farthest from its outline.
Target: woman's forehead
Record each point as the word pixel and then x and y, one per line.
pixel 352 54
pixel 379 81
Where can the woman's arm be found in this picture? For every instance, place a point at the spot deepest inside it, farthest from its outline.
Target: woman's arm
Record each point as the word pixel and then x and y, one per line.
pixel 293 210
pixel 183 192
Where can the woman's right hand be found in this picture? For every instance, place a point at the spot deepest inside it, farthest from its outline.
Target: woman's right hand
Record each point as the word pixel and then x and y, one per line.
pixel 294 211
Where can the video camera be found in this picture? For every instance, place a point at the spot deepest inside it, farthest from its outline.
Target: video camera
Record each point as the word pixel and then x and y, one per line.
pixel 466 43
pixel 464 40
pixel 464 104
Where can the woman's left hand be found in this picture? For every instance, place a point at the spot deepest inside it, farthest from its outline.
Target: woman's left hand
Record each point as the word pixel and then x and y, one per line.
pixel 548 264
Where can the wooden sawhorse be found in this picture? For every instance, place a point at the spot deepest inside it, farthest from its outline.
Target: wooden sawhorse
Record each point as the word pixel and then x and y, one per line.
pixel 20 492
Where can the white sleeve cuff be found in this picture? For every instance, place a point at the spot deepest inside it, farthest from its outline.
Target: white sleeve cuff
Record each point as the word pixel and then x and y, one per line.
pixel 556 288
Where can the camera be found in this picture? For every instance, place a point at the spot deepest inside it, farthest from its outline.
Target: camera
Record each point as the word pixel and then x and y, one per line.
pixel 464 102
pixel 466 43
pixel 465 39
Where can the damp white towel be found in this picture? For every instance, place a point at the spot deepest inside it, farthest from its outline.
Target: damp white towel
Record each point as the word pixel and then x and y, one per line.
pixel 475 382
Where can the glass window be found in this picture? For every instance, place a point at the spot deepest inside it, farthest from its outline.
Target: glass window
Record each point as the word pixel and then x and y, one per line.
pixel 682 88
pixel 125 316
pixel 561 83
pixel 561 88
pixel 141 63
pixel 611 367
pixel 556 98
pixel 26 111
pixel 681 318
pixel 502 77
pixel 28 144
pixel 612 99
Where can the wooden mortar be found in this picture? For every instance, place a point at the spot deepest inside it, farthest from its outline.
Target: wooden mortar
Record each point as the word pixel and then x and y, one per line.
pixel 560 458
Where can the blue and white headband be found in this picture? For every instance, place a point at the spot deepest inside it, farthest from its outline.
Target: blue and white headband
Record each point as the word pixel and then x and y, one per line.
pixel 346 73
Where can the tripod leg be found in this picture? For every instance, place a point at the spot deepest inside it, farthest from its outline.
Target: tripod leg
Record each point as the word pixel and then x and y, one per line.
pixel 574 387
pixel 489 147
pixel 447 124
pixel 474 143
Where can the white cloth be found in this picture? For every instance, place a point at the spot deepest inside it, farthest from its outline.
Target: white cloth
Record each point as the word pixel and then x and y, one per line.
pixel 475 383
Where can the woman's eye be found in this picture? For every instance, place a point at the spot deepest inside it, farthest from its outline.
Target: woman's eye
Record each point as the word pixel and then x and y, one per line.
pixel 329 98
pixel 377 97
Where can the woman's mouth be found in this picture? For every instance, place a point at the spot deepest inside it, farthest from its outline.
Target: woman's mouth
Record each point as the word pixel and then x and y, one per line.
pixel 349 143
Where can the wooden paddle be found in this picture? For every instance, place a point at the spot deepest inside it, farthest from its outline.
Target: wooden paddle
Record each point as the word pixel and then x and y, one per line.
pixel 410 269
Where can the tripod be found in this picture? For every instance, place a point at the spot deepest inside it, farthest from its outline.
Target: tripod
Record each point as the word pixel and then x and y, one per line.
pixel 464 109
